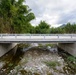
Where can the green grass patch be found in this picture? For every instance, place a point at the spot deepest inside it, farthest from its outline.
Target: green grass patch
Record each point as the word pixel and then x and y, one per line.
pixel 51 45
pixel 71 59
pixel 40 45
pixel 52 64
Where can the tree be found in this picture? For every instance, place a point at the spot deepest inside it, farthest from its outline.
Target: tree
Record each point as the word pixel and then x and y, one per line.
pixel 68 28
pixel 43 28
pixel 14 16
pixel 74 28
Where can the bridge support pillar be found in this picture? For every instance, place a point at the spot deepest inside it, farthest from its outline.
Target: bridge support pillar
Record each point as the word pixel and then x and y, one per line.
pixel 68 47
pixel 5 47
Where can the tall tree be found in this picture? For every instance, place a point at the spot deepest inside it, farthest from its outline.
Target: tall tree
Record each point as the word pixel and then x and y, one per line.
pixel 14 16
pixel 43 28
pixel 57 30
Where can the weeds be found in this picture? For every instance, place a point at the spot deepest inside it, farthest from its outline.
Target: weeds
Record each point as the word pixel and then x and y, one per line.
pixel 51 45
pixel 52 64
pixel 71 59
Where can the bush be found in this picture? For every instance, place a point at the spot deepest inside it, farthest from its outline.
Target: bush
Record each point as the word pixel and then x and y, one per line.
pixel 71 59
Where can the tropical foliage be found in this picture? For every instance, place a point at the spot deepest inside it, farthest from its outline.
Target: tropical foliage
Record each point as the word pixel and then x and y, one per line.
pixel 15 17
pixel 42 28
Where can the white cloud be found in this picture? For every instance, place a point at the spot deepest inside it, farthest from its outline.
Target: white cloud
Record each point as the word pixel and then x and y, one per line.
pixel 53 12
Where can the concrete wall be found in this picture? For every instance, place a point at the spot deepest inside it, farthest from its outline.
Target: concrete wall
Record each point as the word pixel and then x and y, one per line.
pixel 5 47
pixel 68 47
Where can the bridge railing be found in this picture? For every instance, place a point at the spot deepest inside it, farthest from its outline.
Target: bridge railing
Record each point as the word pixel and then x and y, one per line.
pixel 32 35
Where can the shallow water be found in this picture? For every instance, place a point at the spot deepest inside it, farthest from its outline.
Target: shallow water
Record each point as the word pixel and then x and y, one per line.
pixel 33 61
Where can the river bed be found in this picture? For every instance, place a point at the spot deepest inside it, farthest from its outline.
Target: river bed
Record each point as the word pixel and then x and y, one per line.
pixel 35 60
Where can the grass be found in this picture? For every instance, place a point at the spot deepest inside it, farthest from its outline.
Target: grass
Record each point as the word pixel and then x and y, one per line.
pixel 52 64
pixel 23 45
pixel 46 45
pixel 71 59
pixel 51 45
pixel 40 45
pixel 71 62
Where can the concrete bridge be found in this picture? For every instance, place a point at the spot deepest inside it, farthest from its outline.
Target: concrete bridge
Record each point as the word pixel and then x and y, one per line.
pixel 65 41
pixel 37 38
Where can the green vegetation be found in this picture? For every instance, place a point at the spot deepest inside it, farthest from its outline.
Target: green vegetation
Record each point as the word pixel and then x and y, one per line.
pixel 40 45
pixel 52 64
pixel 23 45
pixel 67 28
pixel 10 64
pixel 15 17
pixel 51 45
pixel 47 44
pixel 71 59
pixel 45 28
pixel 42 28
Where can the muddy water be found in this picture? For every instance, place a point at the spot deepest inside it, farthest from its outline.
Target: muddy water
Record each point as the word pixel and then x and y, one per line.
pixel 36 61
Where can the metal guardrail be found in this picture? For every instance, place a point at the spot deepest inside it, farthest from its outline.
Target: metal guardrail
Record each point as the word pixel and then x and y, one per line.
pixel 58 35
pixel 61 38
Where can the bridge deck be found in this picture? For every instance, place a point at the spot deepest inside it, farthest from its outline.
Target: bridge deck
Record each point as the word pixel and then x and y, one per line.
pixel 37 38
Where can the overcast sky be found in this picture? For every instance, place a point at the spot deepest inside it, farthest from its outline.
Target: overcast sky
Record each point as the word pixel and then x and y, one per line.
pixel 54 12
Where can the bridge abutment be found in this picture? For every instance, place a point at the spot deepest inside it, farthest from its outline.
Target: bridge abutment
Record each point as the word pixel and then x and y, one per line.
pixel 6 47
pixel 68 47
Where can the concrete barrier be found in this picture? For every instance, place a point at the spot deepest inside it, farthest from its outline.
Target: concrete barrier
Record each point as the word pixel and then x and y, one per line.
pixel 68 47
pixel 5 47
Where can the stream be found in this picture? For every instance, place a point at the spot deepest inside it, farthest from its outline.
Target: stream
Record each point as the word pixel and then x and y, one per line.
pixel 38 60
